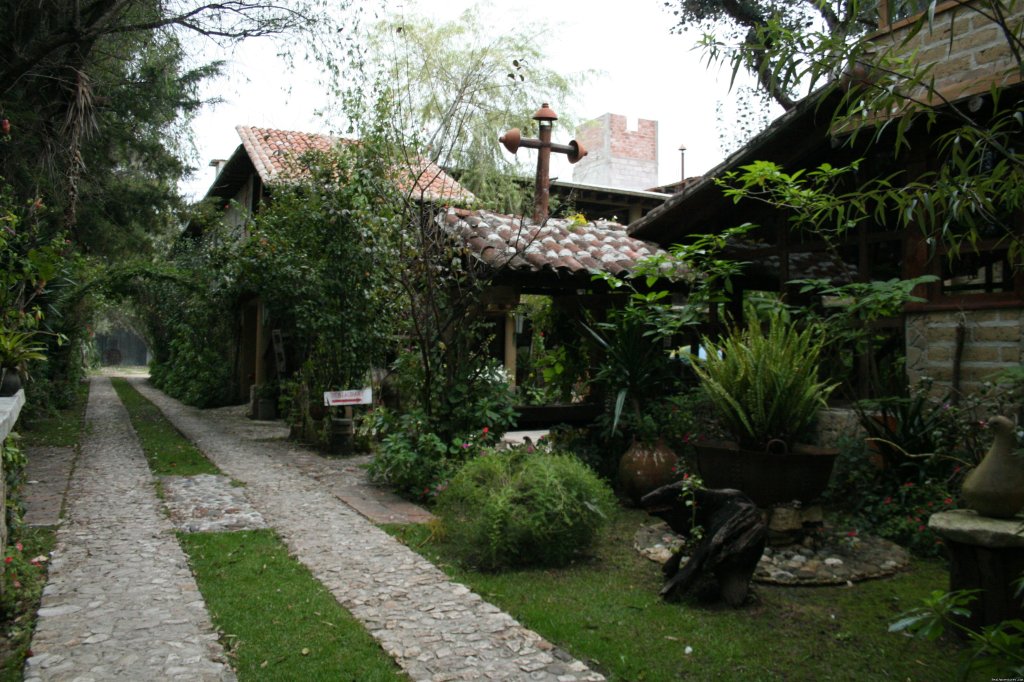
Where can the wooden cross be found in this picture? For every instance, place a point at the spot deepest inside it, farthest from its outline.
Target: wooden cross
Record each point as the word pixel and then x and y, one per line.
pixel 513 140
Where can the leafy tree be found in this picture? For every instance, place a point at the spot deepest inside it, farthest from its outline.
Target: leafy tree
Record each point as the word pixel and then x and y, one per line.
pixel 455 87
pixel 96 94
pixel 877 92
pixel 757 28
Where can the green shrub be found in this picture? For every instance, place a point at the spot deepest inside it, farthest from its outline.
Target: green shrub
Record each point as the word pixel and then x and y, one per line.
pixel 14 462
pixel 409 457
pixel 889 502
pixel 520 508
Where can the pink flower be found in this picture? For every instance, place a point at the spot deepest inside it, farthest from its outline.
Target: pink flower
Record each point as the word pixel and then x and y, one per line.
pixel 948 500
pixel 18 546
pixel 465 446
pixel 922 528
pixel 852 533
pixel 486 430
pixel 8 559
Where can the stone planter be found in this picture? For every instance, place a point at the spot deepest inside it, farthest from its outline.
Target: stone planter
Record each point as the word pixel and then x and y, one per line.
pixel 987 555
pixel 767 478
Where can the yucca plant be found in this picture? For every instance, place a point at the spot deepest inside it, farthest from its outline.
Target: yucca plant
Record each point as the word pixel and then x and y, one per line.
pixel 764 384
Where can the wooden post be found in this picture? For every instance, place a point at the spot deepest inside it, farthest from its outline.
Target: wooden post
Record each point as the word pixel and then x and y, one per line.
pixel 510 349
pixel 260 372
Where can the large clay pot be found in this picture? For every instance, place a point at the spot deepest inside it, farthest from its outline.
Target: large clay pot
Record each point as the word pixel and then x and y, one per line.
pixel 11 382
pixel 646 467
pixel 996 486
pixel 767 478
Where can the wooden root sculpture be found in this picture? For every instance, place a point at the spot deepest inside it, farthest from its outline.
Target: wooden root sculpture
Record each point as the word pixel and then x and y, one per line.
pixel 733 542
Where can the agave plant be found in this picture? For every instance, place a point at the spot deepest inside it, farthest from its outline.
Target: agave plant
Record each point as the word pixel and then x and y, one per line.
pixel 18 347
pixel 764 384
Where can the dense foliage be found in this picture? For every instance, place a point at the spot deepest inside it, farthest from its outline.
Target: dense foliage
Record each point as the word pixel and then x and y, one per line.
pixel 918 451
pixel 764 383
pixel 521 508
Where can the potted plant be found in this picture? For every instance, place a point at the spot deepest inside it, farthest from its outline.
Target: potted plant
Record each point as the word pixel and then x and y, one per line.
pixel 635 371
pixel 17 348
pixel 765 389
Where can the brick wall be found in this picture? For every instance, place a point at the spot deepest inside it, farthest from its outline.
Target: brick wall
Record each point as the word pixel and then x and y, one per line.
pixel 968 50
pixel 993 341
pixel 616 155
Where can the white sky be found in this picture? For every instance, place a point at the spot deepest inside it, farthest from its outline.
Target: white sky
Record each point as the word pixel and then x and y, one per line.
pixel 646 72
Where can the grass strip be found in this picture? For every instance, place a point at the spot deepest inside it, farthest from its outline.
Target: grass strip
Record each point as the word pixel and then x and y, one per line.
pixel 167 451
pixel 60 429
pixel 606 610
pixel 277 621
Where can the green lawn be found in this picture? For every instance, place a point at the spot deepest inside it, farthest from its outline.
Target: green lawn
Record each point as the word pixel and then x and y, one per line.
pixel 276 620
pixel 606 610
pixel 168 452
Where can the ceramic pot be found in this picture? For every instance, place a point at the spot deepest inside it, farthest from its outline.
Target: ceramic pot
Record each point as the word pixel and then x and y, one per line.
pixel 646 467
pixel 11 382
pixel 767 478
pixel 996 486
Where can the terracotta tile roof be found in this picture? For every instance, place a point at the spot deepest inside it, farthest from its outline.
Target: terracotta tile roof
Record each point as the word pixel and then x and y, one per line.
pixel 276 153
pixel 559 246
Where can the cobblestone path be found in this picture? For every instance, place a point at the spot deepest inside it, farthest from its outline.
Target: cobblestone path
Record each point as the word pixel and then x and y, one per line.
pixel 121 602
pixel 435 629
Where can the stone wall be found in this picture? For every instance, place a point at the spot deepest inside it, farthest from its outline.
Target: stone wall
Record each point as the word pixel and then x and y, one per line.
pixel 616 155
pixel 968 50
pixel 992 341
pixel 835 424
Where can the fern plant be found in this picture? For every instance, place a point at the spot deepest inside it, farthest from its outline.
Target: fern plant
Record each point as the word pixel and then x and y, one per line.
pixel 764 385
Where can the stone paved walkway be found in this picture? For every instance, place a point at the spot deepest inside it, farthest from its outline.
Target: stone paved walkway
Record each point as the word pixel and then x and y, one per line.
pixel 121 602
pixel 435 629
pixel 46 476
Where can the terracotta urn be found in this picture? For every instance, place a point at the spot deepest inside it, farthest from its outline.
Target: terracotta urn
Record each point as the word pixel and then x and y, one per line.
pixel 646 467
pixel 996 486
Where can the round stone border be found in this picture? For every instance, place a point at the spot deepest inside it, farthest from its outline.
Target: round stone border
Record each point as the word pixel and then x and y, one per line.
pixel 835 558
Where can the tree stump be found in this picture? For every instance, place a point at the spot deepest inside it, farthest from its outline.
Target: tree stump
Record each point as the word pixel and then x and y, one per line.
pixel 734 539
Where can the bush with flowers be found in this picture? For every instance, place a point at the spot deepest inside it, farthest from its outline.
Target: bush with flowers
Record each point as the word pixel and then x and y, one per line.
pixel 418 449
pixel 893 503
pixel 22 579
pixel 413 459
pixel 924 444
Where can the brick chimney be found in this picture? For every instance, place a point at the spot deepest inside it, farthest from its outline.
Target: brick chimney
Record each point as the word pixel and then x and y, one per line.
pixel 620 155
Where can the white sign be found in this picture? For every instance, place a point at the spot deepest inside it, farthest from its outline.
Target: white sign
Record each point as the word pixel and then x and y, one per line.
pixel 359 396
